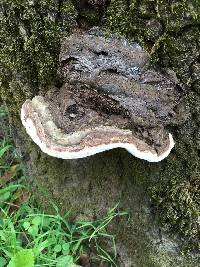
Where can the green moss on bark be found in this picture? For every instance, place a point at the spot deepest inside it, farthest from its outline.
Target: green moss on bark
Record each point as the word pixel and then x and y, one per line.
pixel 146 20
pixel 30 43
pixel 169 30
pixel 30 34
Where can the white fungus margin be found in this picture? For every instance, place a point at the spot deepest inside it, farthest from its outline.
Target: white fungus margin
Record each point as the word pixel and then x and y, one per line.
pixel 55 149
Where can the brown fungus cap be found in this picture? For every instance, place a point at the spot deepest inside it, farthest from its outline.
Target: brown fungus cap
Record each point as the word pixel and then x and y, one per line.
pixel 109 99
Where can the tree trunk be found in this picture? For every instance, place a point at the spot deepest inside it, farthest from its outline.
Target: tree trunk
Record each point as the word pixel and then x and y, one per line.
pixel 161 198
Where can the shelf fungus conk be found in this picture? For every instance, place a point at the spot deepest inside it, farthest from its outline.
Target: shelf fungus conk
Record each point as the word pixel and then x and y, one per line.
pixel 110 98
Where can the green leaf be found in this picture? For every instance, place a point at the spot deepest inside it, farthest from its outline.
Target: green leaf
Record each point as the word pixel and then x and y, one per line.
pixel 65 261
pixel 23 258
pixel 37 220
pixel 3 150
pixel 26 225
pixel 41 246
pixel 46 221
pixel 2 262
pixel 2 235
pixel 33 230
pixel 57 248
pixel 5 196
pixel 65 248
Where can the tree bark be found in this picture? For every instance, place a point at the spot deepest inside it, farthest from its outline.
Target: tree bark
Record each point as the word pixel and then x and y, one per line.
pixel 161 198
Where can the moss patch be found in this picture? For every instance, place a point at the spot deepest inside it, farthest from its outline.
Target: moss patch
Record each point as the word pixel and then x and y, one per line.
pixel 30 43
pixel 169 30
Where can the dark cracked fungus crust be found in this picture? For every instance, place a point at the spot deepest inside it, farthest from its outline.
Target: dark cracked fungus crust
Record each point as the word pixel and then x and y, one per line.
pixel 107 81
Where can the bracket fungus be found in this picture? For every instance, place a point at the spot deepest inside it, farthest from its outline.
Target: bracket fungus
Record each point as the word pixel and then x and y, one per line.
pixel 110 98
